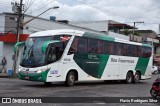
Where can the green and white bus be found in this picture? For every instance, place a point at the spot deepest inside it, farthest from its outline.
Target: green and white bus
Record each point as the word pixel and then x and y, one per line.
pixel 72 55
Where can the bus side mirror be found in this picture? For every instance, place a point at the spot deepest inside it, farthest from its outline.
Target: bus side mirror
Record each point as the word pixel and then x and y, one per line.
pixel 46 44
pixel 16 46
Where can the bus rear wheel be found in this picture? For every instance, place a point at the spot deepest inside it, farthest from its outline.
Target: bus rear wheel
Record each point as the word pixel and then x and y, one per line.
pixel 136 77
pixel 70 79
pixel 129 78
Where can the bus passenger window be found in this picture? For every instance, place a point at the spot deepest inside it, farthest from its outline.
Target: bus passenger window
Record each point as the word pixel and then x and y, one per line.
pixel 106 47
pixel 92 46
pixel 73 48
pixel 100 47
pixel 110 47
pixel 120 49
pixel 82 45
pixel 146 52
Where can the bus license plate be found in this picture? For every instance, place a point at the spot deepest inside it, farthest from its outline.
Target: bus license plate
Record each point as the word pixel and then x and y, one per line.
pixel 27 78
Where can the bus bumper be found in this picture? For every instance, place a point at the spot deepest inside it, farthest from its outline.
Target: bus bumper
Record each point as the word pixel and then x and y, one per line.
pixel 41 77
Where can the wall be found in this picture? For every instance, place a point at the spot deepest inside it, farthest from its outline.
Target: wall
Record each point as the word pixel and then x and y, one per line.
pixel 10 23
pixel 43 24
pixel 8 53
pixel 118 35
pixel 2 22
pixel 95 25
pixel 1 49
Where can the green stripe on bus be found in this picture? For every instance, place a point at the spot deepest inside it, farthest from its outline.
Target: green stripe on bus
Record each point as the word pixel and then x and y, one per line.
pixel 103 62
pixel 92 64
pixel 142 65
pixel 99 36
pixel 147 45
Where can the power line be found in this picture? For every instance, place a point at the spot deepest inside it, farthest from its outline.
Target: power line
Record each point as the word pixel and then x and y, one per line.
pixel 104 10
pixel 29 5
pixel 42 7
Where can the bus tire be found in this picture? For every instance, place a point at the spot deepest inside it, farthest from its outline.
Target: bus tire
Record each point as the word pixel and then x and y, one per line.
pixel 47 83
pixel 70 79
pixel 136 77
pixel 129 78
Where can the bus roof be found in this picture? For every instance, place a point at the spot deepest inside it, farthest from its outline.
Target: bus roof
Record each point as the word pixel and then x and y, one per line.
pixel 100 36
pixel 55 32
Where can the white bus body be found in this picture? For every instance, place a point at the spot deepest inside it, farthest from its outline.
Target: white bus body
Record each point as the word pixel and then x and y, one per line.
pixel 71 55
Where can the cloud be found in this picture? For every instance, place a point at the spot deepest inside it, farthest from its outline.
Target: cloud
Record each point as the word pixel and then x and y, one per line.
pixel 127 11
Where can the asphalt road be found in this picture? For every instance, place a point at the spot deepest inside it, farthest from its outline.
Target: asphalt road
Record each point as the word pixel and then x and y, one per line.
pixel 10 87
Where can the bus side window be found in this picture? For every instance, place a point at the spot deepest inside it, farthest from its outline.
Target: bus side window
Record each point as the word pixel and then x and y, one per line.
pixel 73 48
pixel 114 48
pixel 139 51
pixel 119 49
pixel 82 45
pixel 146 52
pixel 110 47
pixel 92 46
pixel 125 49
pixel 136 51
pixel 130 50
pixel 106 47
pixel 100 47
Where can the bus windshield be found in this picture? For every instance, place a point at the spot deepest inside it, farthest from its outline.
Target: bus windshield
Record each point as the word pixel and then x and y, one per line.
pixel 33 56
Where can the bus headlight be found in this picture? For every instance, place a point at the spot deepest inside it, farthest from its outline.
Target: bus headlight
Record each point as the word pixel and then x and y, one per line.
pixel 19 70
pixel 39 71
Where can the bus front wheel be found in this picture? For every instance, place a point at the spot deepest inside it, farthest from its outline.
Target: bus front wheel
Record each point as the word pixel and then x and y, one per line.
pixel 129 78
pixel 70 79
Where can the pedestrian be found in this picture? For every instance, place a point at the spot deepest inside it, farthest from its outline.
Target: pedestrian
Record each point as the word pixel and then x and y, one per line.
pixel 4 62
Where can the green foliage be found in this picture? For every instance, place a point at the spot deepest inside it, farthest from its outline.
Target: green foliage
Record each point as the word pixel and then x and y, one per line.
pixel 127 32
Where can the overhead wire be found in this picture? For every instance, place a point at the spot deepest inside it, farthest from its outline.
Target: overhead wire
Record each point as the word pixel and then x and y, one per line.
pixel 42 7
pixel 115 13
pixel 29 5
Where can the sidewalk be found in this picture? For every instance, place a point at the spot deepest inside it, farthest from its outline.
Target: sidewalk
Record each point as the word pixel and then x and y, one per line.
pixel 5 75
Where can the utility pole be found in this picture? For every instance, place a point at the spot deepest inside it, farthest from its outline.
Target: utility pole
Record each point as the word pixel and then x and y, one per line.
pixel 159 30
pixel 17 8
pixel 134 28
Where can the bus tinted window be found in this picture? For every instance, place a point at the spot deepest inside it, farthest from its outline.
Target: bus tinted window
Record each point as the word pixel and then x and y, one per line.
pixel 73 48
pixel 92 46
pixel 100 47
pixel 130 50
pixel 120 50
pixel 146 52
pixel 125 49
pixel 82 45
pixel 108 47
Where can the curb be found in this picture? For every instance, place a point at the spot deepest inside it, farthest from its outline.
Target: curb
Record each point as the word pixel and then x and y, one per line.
pixel 5 76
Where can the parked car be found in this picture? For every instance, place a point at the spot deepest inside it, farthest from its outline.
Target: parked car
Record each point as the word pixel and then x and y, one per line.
pixel 155 70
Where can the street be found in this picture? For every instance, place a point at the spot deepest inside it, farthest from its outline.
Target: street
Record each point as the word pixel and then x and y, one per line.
pixel 13 87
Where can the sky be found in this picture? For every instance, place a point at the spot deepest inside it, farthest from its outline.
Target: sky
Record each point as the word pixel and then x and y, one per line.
pixel 124 11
